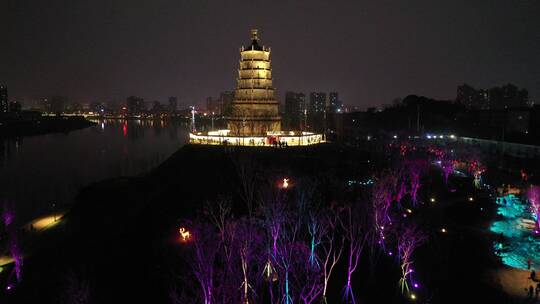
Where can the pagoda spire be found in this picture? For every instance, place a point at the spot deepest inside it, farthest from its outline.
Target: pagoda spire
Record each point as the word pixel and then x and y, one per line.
pixel 254 34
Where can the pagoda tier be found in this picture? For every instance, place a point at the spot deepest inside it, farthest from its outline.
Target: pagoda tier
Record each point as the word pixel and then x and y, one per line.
pixel 254 109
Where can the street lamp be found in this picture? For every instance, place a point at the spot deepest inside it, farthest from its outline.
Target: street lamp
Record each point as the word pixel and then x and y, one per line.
pixel 54 211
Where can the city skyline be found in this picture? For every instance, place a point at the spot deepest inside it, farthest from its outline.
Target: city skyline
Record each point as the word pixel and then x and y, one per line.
pixel 371 53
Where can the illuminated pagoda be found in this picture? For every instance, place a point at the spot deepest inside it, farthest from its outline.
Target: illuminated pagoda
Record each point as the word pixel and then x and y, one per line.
pixel 254 119
pixel 255 111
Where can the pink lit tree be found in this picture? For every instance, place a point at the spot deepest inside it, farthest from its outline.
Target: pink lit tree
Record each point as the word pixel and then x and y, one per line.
pixel 382 194
pixel 534 200
pixel 416 169
pixel 8 218
pixel 17 256
pixel 447 167
pixel 7 215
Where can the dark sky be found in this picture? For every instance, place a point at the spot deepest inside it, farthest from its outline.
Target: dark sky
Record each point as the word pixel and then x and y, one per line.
pixel 370 51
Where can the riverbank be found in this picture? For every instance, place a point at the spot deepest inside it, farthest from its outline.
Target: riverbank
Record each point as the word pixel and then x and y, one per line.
pixel 32 125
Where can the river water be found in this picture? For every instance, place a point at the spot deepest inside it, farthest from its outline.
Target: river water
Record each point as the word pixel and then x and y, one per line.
pixel 41 173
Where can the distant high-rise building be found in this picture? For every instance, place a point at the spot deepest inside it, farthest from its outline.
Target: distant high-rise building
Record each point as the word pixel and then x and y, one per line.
pixel 295 110
pixel 173 104
pixel 157 108
pixel 135 105
pixel 317 102
pixel 336 106
pixel 226 99
pixel 97 107
pixel 15 106
pixel 4 104
pixel 508 96
pixel 213 105
pixel 316 111
pixel 54 104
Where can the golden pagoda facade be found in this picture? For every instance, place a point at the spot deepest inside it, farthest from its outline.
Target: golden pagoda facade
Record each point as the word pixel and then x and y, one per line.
pixel 254 120
pixel 255 111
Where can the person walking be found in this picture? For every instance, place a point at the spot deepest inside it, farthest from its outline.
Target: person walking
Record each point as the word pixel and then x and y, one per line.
pixel 529 262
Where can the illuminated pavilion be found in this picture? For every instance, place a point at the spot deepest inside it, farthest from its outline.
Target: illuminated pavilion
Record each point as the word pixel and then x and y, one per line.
pixel 255 119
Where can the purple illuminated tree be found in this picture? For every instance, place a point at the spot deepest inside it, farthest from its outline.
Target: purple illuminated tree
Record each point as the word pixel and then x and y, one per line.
pixel 416 168
pixel 274 220
pixel 7 215
pixel 251 252
pixel 17 256
pixel 401 190
pixel 202 258
pixel 408 240
pixel 353 225
pixel 447 167
pixel 8 218
pixel 306 280
pixel 534 200
pixel 382 193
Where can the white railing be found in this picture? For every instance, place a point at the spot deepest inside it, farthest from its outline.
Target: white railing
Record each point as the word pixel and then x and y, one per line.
pixel 273 139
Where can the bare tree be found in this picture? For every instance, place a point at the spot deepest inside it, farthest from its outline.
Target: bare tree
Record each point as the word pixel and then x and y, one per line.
pixel 332 244
pixel 353 225
pixel 408 240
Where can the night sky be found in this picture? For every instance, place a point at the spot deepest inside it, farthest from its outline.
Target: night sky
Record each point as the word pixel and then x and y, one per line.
pixel 370 51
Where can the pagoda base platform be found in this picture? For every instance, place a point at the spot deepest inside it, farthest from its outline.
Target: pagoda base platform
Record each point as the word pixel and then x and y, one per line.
pixel 272 139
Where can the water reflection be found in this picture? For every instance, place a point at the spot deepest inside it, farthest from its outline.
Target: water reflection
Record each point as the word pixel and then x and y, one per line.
pixel 36 172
